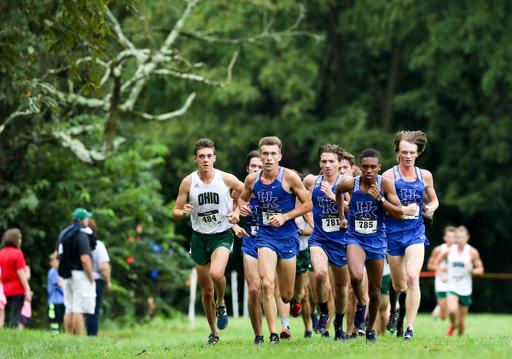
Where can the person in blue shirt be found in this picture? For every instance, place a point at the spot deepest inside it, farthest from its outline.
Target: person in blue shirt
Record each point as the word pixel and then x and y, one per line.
pixel 277 240
pixel 55 295
pixel 371 196
pixel 406 239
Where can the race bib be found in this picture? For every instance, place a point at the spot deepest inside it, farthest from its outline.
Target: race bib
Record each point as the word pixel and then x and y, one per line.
pixel 366 225
pixel 460 281
pixel 254 230
pixel 209 219
pixel 415 215
pixel 330 223
pixel 268 213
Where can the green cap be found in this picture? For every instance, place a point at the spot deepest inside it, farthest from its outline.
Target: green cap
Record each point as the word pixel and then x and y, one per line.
pixel 81 213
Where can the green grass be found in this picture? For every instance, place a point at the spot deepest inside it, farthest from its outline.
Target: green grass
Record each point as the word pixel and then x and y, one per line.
pixel 488 337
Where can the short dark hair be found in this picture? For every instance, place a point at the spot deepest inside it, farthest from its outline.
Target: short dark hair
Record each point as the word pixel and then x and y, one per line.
pixel 369 152
pixel 204 143
pixel 11 238
pixel 252 155
pixel 450 229
pixel 328 148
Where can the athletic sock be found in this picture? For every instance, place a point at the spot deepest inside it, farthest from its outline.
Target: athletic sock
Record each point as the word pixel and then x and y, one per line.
pixel 55 328
pixel 285 322
pixel 324 307
pixel 296 300
pixel 339 318
pixel 401 314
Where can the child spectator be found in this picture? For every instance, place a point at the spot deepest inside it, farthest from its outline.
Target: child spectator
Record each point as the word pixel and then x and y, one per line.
pixel 55 295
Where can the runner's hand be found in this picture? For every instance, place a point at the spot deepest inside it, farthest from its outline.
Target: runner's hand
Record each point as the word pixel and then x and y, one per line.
pixel 327 190
pixel 188 208
pixel 410 209
pixel 374 191
pixel 343 224
pixel 239 231
pixel 233 218
pixel 429 210
pixel 245 210
pixel 444 278
pixel 277 221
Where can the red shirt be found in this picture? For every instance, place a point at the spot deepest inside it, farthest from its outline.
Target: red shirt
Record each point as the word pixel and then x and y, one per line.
pixel 12 259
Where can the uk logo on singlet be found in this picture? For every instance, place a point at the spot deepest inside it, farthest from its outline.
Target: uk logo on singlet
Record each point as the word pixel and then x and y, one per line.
pixel 267 199
pixel 254 216
pixel 408 195
pixel 366 209
pixel 328 206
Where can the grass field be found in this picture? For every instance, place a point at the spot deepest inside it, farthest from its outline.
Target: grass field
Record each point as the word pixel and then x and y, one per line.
pixel 488 336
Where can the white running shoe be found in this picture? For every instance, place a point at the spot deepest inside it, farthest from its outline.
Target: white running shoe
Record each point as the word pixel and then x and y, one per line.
pixel 435 312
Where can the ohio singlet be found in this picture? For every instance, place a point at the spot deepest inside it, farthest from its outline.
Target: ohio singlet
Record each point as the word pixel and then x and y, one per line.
pixel 459 279
pixel 439 285
pixel 274 200
pixel 407 192
pixel 325 214
pixel 212 202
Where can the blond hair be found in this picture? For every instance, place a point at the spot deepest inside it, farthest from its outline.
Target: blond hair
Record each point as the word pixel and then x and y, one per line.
pixel 270 141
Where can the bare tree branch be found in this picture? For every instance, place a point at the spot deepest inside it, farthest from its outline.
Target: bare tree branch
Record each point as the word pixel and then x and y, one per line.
pixel 166 116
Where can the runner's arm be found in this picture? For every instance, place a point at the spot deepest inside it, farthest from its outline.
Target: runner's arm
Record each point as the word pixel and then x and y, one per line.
pixel 346 185
pixel 303 196
pixel 478 266
pixel 431 264
pixel 437 261
pixel 433 204
pixel 245 196
pixel 181 209
pixel 392 204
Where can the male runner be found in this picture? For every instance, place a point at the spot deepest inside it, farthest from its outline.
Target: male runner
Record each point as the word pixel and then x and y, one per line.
pixel 211 213
pixel 371 196
pixel 440 284
pixel 326 243
pixel 277 240
pixel 406 239
pixel 463 262
pixel 250 255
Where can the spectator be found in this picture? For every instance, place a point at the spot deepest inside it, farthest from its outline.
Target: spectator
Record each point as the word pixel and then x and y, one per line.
pixel 26 311
pixel 101 274
pixel 3 301
pixel 55 295
pixel 75 266
pixel 14 279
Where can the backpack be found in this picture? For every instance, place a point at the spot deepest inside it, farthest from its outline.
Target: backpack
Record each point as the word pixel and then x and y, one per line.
pixel 64 249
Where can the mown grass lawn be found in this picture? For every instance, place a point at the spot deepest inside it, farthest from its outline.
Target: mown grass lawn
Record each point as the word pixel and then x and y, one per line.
pixel 488 337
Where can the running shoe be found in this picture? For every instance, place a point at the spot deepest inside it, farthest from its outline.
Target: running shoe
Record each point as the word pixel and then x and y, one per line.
pixel 371 337
pixel 222 317
pixel 352 336
pixel 408 334
pixel 296 308
pixel 285 334
pixel 274 339
pixel 259 339
pixel 391 326
pixel 321 327
pixel 339 334
pixel 308 334
pixel 435 312
pixel 212 339
pixel 359 317
pixel 326 335
pixel 399 330
pixel 450 331
pixel 314 320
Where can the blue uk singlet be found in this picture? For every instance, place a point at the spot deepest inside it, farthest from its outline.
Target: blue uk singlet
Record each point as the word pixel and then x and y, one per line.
pixel 251 227
pixel 407 192
pixel 325 214
pixel 274 200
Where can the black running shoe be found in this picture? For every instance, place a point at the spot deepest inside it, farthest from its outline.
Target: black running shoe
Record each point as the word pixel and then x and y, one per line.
pixel 352 336
pixel 339 334
pixel 212 339
pixel 391 326
pixel 274 339
pixel 399 330
pixel 314 320
pixel 408 334
pixel 359 317
pixel 222 317
pixel 308 334
pixel 321 327
pixel 326 335
pixel 371 337
pixel 259 339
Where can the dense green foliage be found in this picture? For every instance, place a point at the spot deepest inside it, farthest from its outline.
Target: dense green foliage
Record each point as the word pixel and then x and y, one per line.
pixel 372 68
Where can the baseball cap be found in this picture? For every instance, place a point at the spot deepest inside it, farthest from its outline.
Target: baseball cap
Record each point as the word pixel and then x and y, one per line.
pixel 81 213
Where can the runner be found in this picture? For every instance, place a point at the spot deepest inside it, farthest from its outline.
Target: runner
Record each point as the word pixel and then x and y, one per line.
pixel 277 239
pixel 383 314
pixel 407 240
pixel 211 213
pixel 250 255
pixel 441 285
pixel 371 196
pixel 463 261
pixel 326 244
